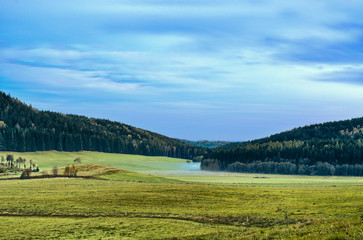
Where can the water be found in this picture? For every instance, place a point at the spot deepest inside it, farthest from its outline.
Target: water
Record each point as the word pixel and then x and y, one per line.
pixel 185 168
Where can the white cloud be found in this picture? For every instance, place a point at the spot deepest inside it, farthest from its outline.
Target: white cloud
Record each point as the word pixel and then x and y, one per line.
pixel 47 77
pixel 248 59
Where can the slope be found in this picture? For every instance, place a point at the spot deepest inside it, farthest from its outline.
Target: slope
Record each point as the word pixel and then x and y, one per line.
pixel 26 129
pixel 333 148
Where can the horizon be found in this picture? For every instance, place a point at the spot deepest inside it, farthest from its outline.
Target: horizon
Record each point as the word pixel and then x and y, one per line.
pixel 211 70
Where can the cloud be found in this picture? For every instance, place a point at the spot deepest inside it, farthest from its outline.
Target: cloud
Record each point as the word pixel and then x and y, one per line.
pixel 56 78
pixel 345 75
pixel 245 59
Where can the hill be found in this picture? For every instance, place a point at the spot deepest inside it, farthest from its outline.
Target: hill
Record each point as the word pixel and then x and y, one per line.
pixel 98 171
pixel 332 148
pixel 26 129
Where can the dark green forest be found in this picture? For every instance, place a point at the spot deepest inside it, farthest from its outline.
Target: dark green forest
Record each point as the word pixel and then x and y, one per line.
pixel 333 148
pixel 206 143
pixel 26 129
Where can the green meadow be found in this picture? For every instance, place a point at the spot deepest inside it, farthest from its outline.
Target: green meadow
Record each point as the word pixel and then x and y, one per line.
pixel 259 180
pixel 48 160
pixel 178 169
pixel 138 197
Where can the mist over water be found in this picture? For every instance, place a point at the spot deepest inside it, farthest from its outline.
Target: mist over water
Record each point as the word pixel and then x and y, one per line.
pixel 192 168
pixel 181 168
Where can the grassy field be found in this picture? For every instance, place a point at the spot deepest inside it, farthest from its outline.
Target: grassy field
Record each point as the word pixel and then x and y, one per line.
pixel 276 180
pixel 172 203
pixel 178 169
pixel 47 160
pixel 72 208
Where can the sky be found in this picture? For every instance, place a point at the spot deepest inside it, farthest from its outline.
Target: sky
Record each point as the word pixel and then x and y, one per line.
pixel 192 69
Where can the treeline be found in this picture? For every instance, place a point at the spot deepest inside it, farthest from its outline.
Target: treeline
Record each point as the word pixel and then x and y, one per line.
pixel 333 151
pixel 336 147
pixel 207 144
pixel 9 163
pixel 352 128
pixel 25 129
pixel 286 166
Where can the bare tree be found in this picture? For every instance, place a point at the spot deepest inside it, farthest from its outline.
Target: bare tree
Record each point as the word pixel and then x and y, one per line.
pixel 10 160
pixel 30 164
pixel 55 171
pixel 77 160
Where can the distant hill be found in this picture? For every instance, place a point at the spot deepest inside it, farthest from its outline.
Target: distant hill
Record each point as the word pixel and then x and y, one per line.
pixel 26 129
pixel 332 148
pixel 206 143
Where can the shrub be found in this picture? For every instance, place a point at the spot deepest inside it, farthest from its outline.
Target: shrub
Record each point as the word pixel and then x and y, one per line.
pixel 70 171
pixel 25 174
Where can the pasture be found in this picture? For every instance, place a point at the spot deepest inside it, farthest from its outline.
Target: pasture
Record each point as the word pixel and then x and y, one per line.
pixel 179 169
pixel 175 203
pixel 50 159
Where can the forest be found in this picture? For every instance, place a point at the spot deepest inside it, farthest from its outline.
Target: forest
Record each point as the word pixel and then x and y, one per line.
pixel 26 129
pixel 333 148
pixel 206 143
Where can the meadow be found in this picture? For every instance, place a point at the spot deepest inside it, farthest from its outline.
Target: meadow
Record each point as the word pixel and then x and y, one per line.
pixel 50 159
pixel 179 169
pixel 166 202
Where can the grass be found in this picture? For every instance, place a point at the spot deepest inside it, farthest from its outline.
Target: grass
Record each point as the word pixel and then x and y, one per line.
pixel 150 198
pixel 102 228
pixel 179 170
pixel 136 177
pixel 103 172
pixel 235 211
pixel 265 180
pixel 47 160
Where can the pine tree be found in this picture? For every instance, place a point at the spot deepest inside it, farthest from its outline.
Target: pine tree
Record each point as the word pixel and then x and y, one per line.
pixel 2 143
pixel 60 144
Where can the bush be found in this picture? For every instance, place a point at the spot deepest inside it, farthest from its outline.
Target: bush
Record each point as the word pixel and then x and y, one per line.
pixel 70 171
pixel 25 174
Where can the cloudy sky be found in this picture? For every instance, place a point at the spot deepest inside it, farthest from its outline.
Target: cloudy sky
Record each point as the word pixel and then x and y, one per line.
pixel 193 69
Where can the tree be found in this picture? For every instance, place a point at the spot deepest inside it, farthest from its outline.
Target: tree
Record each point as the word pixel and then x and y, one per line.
pixel 55 171
pixel 67 171
pixel 2 143
pixel 25 174
pixel 18 161
pixel 70 171
pixel 74 170
pixel 10 160
pixel 60 143
pixel 77 160
pixel 30 164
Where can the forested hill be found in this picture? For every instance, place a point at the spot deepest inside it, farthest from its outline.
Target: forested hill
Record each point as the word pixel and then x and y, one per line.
pixel 333 148
pixel 345 129
pixel 26 129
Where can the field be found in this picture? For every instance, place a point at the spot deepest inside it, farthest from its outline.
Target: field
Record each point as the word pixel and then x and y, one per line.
pixel 48 160
pixel 174 168
pixel 173 200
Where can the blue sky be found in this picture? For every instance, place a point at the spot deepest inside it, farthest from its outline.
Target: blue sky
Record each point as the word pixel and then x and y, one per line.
pixel 216 70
